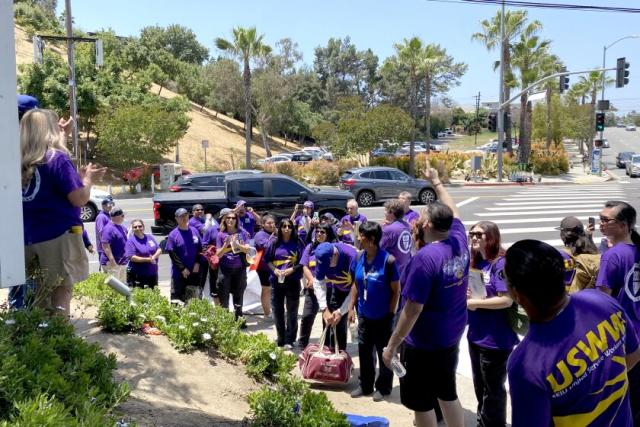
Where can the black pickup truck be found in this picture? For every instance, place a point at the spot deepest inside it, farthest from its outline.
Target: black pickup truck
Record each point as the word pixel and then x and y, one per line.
pixel 266 193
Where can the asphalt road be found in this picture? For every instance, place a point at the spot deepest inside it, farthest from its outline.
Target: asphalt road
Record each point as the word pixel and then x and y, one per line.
pixel 620 140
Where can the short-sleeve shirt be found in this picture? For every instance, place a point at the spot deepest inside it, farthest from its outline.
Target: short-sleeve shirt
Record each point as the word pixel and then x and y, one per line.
pixel 186 244
pixel 490 328
pixel 285 255
pixel 301 228
pixel 309 259
pixel 339 277
pixel 102 219
pixel 115 235
pixel 411 216
pixel 374 284
pixel 398 241
pixel 145 247
pixel 47 212
pixel 248 222
pixel 346 236
pixel 229 260
pixel 571 371
pixel 262 240
pixel 197 223
pixel 437 277
pixel 210 235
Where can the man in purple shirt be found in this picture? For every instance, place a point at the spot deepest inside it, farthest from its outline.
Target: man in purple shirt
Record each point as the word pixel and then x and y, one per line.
pixel 434 314
pixel 248 219
pixel 102 219
pixel 410 216
pixel 396 234
pixel 571 367
pixel 113 241
pixel 184 246
pixel 619 272
pixel 197 220
pixel 346 230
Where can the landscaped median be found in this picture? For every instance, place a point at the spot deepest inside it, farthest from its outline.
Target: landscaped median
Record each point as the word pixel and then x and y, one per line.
pixel 282 400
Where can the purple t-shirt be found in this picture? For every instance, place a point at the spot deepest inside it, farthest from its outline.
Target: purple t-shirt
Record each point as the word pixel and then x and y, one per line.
pixel 248 222
pixel 186 244
pixel 411 216
pixel 398 241
pixel 346 236
pixel 262 240
pixel 619 272
pixel 309 259
pixel 229 260
pixel 340 277
pixel 211 235
pixel 571 370
pixel 145 247
pixel 569 268
pixel 300 227
pixel 491 328
pixel 197 223
pixel 284 255
pixel 102 219
pixel 437 277
pixel 47 213
pixel 116 236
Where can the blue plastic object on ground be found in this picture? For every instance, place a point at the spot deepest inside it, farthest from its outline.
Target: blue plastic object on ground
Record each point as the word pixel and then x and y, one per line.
pixel 367 421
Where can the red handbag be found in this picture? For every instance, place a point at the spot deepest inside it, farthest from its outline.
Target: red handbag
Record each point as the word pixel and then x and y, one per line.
pixel 319 363
pixel 210 254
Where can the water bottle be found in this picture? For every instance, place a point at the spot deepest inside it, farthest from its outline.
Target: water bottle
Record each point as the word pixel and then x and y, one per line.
pixel 353 329
pixel 397 367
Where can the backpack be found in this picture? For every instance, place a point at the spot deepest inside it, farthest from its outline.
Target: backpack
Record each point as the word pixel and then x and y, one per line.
pixel 587 266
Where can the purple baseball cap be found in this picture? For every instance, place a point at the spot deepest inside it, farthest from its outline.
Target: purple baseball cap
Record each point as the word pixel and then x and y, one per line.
pixel 308 204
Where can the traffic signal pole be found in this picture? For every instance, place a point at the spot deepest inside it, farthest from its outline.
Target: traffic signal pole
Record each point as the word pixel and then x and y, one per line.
pixel 502 104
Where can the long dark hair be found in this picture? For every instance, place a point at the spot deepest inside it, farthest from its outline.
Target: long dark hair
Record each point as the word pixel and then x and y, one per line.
pixel 493 245
pixel 293 236
pixel 578 242
pixel 329 232
pixel 627 214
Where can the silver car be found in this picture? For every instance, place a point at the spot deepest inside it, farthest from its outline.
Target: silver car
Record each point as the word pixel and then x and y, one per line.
pixel 633 166
pixel 377 183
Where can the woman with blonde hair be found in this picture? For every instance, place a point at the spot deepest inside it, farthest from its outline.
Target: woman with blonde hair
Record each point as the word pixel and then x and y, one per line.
pixel 52 194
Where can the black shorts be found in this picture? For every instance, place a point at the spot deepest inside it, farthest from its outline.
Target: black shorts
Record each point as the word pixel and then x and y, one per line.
pixel 431 375
pixel 264 276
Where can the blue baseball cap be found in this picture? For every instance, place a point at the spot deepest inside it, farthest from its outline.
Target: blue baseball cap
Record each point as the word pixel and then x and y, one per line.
pixel 107 201
pixel 323 254
pixel 26 103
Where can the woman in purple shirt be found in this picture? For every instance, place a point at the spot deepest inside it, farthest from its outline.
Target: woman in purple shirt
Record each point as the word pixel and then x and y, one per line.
pixel 490 336
pixel 52 194
pixel 232 243
pixel 263 239
pixel 143 252
pixel 283 258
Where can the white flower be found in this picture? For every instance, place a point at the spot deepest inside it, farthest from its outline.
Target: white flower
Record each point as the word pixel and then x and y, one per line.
pixel 213 329
pixel 204 319
pixel 61 308
pixel 191 313
pixel 43 325
pixel 196 324
pixel 133 304
pixel 142 316
pixel 10 322
pixel 206 337
pixel 182 327
pixel 161 318
pixel 272 355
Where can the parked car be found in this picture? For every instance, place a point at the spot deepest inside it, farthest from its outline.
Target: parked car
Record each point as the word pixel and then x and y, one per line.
pixel 89 211
pixel 136 173
pixel 438 146
pixel 631 128
pixel 442 135
pixel 242 172
pixel 199 182
pixel 376 184
pixel 620 125
pixel 319 153
pixel 633 166
pixel 266 193
pixel 404 151
pixel 302 157
pixel 381 152
pixel 275 159
pixel 623 158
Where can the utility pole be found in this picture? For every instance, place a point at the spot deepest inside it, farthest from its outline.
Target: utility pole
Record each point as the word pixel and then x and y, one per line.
pixel 477 115
pixel 501 92
pixel 73 106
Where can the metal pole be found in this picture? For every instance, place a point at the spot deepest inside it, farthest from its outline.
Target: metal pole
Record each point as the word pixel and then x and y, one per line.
pixel 178 152
pixel 73 107
pixel 501 109
pixel 205 159
pixel 604 64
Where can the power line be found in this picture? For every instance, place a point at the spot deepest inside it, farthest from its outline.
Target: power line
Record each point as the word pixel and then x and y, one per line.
pixel 544 5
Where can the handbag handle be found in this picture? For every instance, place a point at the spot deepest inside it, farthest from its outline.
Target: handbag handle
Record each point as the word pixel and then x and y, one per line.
pixel 323 339
pixel 335 340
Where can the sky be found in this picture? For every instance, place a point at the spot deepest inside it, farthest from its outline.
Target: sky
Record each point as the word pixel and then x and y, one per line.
pixel 577 37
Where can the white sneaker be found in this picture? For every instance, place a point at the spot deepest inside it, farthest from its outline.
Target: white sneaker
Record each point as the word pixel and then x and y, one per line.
pixel 287 347
pixel 358 393
pixel 377 396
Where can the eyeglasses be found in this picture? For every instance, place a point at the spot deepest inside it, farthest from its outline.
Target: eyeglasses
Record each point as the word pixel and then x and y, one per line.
pixel 286 226
pixel 199 210
pixel 476 235
pixel 605 220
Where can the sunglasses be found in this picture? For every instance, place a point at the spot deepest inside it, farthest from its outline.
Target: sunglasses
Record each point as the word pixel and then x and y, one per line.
pixel 286 226
pixel 605 220
pixel 230 217
pixel 476 234
pixel 136 227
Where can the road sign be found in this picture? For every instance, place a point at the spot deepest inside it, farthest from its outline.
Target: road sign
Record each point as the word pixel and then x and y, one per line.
pixel 205 143
pixel 595 161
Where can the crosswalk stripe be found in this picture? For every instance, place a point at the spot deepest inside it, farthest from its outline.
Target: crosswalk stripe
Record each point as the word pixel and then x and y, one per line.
pixel 557 243
pixel 492 214
pixel 511 199
pixel 543 206
pixel 527 220
pixel 581 193
pixel 553 202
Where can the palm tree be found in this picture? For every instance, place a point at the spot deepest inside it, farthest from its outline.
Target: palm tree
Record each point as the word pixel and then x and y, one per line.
pixel 592 84
pixel 515 23
pixel 549 64
pixel 528 53
pixel 410 54
pixel 246 45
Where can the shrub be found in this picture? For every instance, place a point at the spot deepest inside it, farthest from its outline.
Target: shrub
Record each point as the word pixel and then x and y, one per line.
pixel 47 372
pixel 264 359
pixel 553 161
pixel 93 288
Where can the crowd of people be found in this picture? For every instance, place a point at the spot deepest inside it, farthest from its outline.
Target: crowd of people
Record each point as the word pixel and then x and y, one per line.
pixel 405 282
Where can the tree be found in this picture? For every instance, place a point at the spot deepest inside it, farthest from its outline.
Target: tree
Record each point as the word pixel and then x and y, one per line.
pixel 226 87
pixel 134 135
pixel 549 64
pixel 515 23
pixel 180 42
pixel 246 45
pixel 592 84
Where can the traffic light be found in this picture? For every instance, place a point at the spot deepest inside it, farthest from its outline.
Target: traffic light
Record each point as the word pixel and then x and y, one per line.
pixel 599 122
pixel 622 72
pixel 493 118
pixel 564 83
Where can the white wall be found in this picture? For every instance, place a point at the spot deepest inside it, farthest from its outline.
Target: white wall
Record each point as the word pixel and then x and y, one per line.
pixel 11 234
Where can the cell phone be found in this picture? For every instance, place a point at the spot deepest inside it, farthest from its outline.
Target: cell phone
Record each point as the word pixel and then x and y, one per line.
pixel 316 215
pixel 592 222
